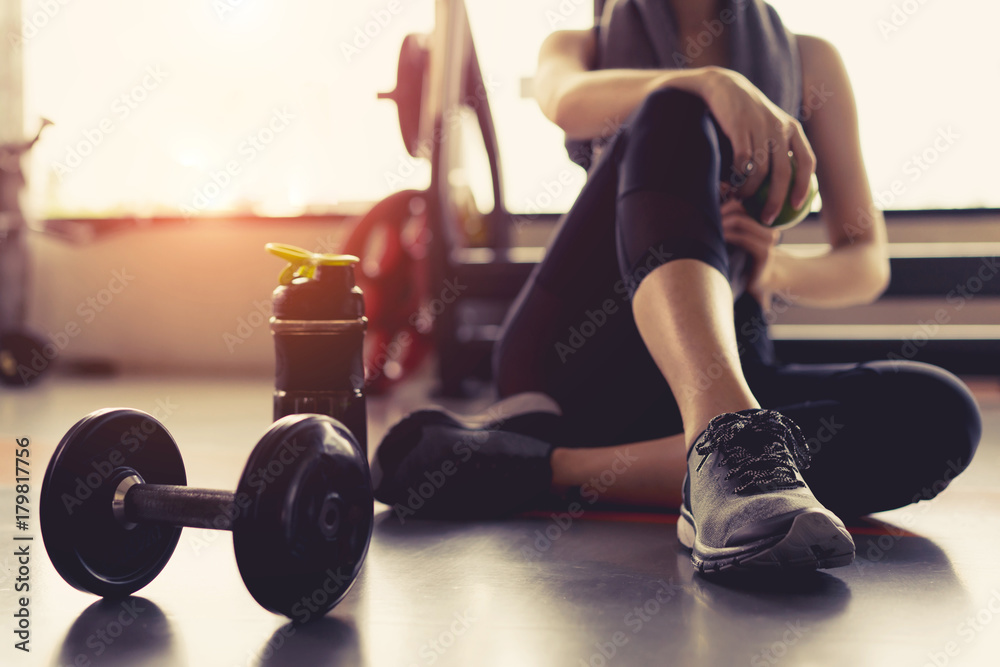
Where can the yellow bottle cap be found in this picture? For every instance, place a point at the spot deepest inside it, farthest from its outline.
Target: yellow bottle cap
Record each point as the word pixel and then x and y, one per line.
pixel 302 263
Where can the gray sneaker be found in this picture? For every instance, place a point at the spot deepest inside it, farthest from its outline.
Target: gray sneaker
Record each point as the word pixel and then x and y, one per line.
pixel 746 505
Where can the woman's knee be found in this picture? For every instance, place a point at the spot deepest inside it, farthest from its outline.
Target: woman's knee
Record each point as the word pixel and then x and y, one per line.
pixel 670 116
pixel 936 408
pixel 670 103
pixel 671 144
pixel 905 431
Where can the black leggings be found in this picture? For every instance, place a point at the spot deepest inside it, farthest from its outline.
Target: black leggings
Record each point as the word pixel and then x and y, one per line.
pixel 884 433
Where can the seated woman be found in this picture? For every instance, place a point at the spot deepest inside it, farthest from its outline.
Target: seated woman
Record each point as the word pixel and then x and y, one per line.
pixel 635 366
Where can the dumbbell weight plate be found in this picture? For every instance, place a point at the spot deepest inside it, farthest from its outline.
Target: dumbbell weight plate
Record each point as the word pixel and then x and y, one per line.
pixel 87 545
pixel 305 517
pixel 411 72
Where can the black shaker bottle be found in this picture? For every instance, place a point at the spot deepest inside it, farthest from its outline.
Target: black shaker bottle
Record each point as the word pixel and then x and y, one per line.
pixel 318 325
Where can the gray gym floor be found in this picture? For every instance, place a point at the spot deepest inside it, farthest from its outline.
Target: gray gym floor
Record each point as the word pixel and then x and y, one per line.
pixel 596 590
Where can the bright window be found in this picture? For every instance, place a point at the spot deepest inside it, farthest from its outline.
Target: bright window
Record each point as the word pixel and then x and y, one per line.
pixel 268 106
pixel 924 74
pixel 215 106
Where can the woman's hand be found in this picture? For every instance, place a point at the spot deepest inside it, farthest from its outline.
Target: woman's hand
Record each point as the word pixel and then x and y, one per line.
pixel 741 230
pixel 763 136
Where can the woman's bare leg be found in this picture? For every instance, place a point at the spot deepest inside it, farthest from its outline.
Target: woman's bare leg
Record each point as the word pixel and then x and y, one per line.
pixel 684 313
pixel 653 471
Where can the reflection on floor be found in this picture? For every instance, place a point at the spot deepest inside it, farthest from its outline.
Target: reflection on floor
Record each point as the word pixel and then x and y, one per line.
pixel 599 589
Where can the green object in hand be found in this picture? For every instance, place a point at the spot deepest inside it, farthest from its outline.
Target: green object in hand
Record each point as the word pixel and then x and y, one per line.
pixel 789 215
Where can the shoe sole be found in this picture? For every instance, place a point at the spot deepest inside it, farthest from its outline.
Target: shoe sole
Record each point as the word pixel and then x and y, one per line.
pixel 816 540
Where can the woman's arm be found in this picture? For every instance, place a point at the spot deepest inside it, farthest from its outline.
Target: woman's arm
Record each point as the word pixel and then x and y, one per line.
pixel 588 104
pixel 855 268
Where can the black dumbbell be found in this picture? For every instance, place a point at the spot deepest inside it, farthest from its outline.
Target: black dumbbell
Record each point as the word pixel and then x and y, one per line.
pixel 114 499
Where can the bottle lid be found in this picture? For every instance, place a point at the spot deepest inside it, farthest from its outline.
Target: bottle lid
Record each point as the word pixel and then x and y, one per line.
pixel 302 263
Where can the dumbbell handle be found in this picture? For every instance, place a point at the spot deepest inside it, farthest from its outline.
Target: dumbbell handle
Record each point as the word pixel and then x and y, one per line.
pixel 136 502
